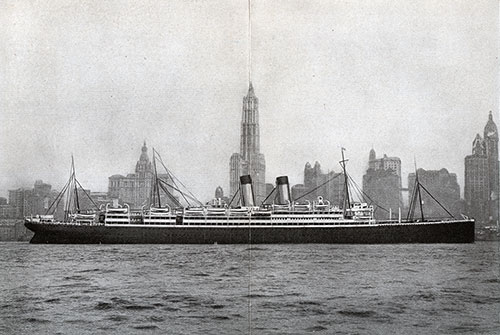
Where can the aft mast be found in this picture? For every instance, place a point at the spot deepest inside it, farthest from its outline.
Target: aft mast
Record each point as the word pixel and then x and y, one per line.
pixel 156 186
pixel 72 202
pixel 416 194
pixel 419 195
pixel 347 202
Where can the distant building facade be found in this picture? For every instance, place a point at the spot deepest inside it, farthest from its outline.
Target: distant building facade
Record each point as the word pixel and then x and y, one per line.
pixel 382 184
pixel 481 177
pixel 99 198
pixel 269 189
pixel 249 161
pixel 444 188
pixel 24 202
pixel 135 188
pixel 220 197
pixel 42 197
pixel 316 184
pixel 20 201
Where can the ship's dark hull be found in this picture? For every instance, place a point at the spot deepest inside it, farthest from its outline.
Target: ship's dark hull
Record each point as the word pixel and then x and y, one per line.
pixel 445 232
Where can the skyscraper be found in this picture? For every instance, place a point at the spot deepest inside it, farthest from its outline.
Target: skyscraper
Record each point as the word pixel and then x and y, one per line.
pixel 328 185
pixel 249 160
pixel 443 186
pixel 382 184
pixel 491 146
pixel 34 201
pixel 481 176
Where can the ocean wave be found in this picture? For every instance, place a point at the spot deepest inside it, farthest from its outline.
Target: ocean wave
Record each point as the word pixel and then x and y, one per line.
pixel 451 290
pixel 256 295
pixel 180 298
pixel 201 274
pixel 492 281
pixel 75 277
pixel 396 308
pixel 117 300
pixel 103 305
pixel 464 327
pixel 145 327
pixel 483 299
pixel 117 318
pixel 37 320
pixel 139 307
pixel 421 324
pixel 309 302
pixel 217 306
pixel 358 313
pixel 221 317
pixel 118 303
pixel 316 329
pixel 88 270
pixel 170 309
pixel 421 295
pixel 255 249
pixel 77 321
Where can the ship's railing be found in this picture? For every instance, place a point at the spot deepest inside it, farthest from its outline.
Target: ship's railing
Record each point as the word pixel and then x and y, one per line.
pixel 244 211
pixel 83 218
pixel 117 215
pixel 157 215
pixel 321 205
pixel 274 221
pixel 40 218
pixel 74 219
pixel 156 211
pixel 83 223
pixel 301 207
pixel 159 210
pixel 216 211
pixel 295 209
pixel 360 211
pixel 194 211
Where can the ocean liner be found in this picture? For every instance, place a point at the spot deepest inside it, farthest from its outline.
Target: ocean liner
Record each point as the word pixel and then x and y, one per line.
pixel 285 220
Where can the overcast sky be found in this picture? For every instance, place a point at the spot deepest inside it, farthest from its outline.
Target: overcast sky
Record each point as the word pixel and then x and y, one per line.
pixel 97 78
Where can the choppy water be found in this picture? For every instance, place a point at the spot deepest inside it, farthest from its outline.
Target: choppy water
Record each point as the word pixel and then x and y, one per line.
pixel 231 289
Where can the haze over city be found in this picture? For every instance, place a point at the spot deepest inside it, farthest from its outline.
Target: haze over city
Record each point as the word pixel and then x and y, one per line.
pixel 97 79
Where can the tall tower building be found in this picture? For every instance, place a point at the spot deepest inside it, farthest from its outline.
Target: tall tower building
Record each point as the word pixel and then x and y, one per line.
pixel 382 183
pixel 491 147
pixel 135 188
pixel 249 160
pixel 481 176
pixel 143 168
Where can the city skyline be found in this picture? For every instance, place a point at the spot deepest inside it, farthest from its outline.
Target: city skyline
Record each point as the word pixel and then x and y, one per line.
pixel 88 80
